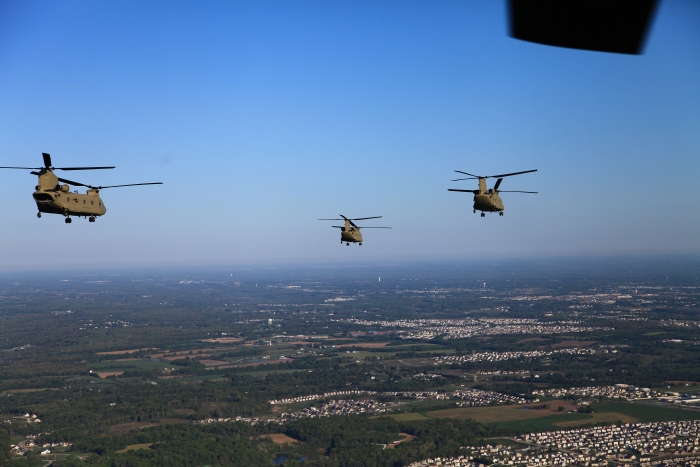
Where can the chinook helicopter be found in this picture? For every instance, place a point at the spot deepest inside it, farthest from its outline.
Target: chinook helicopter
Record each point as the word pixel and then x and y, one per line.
pixel 53 198
pixel 351 231
pixel 487 200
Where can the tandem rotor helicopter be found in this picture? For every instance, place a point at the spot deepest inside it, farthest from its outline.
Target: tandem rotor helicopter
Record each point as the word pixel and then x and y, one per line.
pixel 351 231
pixel 53 198
pixel 487 200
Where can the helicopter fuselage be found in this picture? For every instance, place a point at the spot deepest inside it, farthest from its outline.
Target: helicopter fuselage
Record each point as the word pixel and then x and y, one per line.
pixel 69 204
pixel 350 234
pixel 54 198
pixel 489 201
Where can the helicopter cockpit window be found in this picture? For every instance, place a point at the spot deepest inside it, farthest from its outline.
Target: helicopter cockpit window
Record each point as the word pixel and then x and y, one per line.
pixel 43 197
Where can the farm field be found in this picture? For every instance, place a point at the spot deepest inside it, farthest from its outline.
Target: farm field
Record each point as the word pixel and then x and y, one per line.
pixel 135 447
pixel 410 362
pixel 362 354
pixel 645 412
pixel 280 438
pixel 406 417
pixel 502 413
pixel 140 364
pixel 598 418
pixel 365 345
pixel 546 423
pixel 605 412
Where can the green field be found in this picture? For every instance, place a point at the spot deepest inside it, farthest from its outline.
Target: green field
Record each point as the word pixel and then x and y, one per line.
pixel 547 423
pixel 135 447
pixel 195 379
pixel 606 412
pixel 130 365
pixel 270 372
pixel 361 354
pixel 426 404
pixel 644 412
pixel 407 417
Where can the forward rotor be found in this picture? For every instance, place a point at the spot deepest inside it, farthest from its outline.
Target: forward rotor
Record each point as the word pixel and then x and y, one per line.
pixel 477 177
pixel 343 218
pixel 48 167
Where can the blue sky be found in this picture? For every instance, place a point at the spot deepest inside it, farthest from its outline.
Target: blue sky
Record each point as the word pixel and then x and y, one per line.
pixel 261 117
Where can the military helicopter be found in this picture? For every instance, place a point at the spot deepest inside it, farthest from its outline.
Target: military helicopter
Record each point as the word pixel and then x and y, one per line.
pixel 53 198
pixel 487 200
pixel 351 231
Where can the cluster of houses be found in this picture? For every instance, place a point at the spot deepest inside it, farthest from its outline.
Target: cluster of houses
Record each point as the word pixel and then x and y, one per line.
pixel 330 409
pixel 619 391
pixel 644 438
pixel 470 397
pixel 466 328
pixel 622 391
pixel 669 444
pixel 26 418
pixel 251 420
pixel 21 448
pixel 478 398
pixel 505 455
pixel 502 356
pixel 313 397
pixel 338 407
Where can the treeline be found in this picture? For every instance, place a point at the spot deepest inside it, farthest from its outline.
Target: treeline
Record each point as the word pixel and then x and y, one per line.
pixel 176 445
pixel 327 442
pixel 4 445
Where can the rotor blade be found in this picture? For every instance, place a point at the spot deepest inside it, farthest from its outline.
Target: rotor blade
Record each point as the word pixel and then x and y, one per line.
pixel 467 173
pixel 349 220
pixel 364 218
pixel 374 227
pixel 47 159
pixel 71 182
pixel 464 191
pixel 518 191
pixel 514 173
pixel 23 168
pixel 337 226
pixel 498 183
pixel 470 178
pixel 82 168
pixel 129 184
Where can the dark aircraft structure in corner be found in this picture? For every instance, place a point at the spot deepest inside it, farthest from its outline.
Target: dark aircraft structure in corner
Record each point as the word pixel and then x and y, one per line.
pixel 617 26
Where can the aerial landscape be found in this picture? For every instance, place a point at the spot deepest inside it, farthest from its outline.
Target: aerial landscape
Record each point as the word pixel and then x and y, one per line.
pixel 547 315
pixel 488 364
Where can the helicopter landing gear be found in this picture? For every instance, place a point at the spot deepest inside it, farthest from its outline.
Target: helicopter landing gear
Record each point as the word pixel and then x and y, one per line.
pixel 348 244
pixel 474 211
pixel 500 213
pixel 92 219
pixel 68 220
pixel 483 214
pixel 38 214
pixel 360 243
